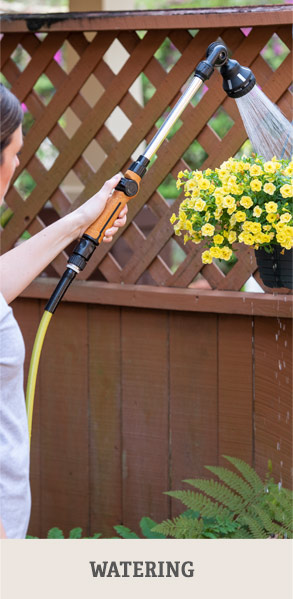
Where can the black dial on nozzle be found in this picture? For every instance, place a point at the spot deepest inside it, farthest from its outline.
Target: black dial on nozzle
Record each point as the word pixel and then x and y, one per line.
pixel 237 80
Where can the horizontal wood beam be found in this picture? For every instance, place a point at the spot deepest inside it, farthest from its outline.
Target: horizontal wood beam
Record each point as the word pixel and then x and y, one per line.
pixel 247 16
pixel 166 298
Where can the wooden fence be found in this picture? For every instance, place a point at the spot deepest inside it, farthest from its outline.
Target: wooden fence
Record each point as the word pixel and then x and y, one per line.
pixel 144 378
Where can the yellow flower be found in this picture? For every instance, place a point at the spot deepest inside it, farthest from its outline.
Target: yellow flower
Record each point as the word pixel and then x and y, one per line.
pixel 246 238
pixel 255 170
pixel 198 175
pixel 271 217
pixel 269 167
pixel 232 237
pixel 206 257
pixel 240 216
pixel 215 252
pixel 218 239
pixel 173 218
pixel 271 207
pixel 257 211
pixel 246 202
pixel 269 188
pixel 219 202
pixel 180 174
pixel 186 238
pixel 208 172
pixel 281 237
pixel 188 225
pixel 256 185
pixel 285 218
pixel 231 209
pixel 286 191
pixel 228 201
pixel 255 228
pixel 199 205
pixel 208 230
pixel 226 253
pixel 191 185
pixel 204 184
pixel 289 169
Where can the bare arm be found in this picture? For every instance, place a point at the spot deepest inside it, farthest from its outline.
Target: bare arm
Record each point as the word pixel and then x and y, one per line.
pixel 20 266
pixel 2 531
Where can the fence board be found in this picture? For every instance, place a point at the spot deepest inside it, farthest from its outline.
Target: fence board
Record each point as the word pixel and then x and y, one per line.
pixel 193 397
pixel 144 338
pixel 105 419
pixel 64 422
pixel 235 387
pixel 273 396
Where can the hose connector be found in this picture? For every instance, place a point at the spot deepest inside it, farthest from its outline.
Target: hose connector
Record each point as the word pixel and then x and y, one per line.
pixel 217 55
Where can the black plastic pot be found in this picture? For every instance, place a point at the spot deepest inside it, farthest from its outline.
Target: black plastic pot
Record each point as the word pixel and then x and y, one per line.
pixel 275 269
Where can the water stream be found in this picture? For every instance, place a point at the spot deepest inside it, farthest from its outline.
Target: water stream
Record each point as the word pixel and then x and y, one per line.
pixel 269 131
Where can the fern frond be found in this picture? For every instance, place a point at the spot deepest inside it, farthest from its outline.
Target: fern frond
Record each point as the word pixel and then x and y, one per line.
pixel 194 501
pixel 181 528
pixel 233 481
pixel 219 492
pixel 255 527
pixel 265 520
pixel 125 532
pixel 200 503
pixel 247 472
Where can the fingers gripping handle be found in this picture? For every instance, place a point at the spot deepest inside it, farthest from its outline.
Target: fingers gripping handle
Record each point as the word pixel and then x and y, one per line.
pixel 114 205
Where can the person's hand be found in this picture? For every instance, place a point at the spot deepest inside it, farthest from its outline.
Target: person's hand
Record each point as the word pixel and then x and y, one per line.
pixel 119 222
pixel 93 208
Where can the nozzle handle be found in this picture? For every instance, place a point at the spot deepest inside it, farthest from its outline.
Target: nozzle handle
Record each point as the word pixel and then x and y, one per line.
pixel 115 203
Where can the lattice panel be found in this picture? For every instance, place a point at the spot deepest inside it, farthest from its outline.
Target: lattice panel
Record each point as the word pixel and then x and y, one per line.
pixel 90 151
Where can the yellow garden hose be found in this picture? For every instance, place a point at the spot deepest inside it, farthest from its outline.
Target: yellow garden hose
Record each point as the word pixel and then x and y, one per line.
pixel 33 369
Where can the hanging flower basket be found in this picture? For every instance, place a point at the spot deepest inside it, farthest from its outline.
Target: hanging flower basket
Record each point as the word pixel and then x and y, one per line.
pixel 247 201
pixel 275 268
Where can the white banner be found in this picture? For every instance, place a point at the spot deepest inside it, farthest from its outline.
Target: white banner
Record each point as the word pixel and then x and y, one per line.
pixel 205 569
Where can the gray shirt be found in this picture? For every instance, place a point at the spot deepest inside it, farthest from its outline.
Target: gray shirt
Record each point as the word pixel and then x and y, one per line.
pixel 15 499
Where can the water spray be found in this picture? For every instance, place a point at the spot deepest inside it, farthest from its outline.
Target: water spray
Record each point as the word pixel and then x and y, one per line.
pixel 238 81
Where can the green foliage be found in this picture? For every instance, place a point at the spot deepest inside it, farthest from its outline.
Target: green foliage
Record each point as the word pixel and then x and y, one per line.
pixel 146 525
pixel 57 533
pixel 147 528
pixel 243 507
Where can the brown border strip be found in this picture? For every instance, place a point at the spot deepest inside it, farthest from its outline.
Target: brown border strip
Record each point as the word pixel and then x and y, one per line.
pixel 154 19
pixel 166 298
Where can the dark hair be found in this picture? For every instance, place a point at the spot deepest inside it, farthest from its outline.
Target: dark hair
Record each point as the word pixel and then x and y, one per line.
pixel 10 117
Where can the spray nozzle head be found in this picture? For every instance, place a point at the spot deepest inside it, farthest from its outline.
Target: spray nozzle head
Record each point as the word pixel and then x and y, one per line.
pixel 237 80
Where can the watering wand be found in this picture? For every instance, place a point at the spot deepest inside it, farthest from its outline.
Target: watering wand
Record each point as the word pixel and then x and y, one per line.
pixel 237 81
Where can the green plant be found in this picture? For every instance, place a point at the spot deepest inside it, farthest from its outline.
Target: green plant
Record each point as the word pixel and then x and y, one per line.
pixel 243 507
pixel 244 201
pixel 57 533
pixel 146 525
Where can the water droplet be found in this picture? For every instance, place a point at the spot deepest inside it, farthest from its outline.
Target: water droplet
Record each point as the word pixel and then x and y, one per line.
pixel 277 336
pixel 280 485
pixel 285 342
pixel 279 417
pixel 280 365
pixel 284 327
pixel 281 463
pixel 284 364
pixel 278 446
